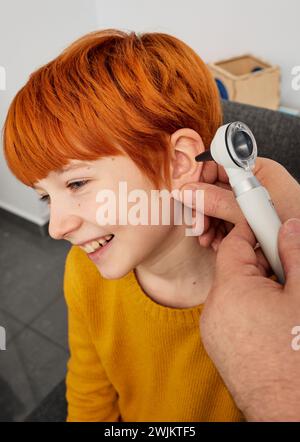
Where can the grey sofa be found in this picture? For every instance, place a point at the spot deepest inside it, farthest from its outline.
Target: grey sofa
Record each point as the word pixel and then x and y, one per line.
pixel 278 137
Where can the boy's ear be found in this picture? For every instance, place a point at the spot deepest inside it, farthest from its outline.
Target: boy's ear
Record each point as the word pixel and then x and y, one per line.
pixel 185 144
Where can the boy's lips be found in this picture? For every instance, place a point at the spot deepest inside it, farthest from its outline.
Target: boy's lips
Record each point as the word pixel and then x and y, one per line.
pixel 98 238
pixel 92 246
pixel 96 255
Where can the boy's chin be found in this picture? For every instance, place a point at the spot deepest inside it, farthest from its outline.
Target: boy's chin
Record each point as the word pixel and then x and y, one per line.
pixel 113 272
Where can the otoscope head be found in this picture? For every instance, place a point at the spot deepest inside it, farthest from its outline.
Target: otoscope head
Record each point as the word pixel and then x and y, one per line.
pixel 232 146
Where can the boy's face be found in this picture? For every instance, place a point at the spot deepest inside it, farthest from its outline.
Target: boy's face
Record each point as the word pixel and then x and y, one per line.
pixel 74 213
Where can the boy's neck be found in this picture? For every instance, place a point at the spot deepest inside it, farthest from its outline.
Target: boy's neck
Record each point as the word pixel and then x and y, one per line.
pixel 180 275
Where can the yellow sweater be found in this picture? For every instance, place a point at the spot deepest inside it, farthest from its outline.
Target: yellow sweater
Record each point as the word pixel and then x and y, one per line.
pixel 133 359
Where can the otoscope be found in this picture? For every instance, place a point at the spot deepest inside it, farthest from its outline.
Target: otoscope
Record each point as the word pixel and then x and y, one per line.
pixel 234 147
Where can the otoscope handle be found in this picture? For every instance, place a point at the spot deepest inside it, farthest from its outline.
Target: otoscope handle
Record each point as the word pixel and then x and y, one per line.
pixel 258 208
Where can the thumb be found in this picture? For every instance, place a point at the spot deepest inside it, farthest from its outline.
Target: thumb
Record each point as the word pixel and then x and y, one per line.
pixel 289 251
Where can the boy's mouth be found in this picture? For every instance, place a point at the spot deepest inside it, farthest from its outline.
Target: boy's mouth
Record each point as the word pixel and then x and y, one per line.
pixel 97 243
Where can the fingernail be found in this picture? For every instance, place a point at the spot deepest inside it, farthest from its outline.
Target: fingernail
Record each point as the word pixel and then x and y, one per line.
pixel 292 226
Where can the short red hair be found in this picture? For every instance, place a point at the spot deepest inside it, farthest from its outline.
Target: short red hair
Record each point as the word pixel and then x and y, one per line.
pixel 110 93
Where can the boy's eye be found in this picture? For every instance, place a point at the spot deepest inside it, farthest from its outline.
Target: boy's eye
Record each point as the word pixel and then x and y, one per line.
pixel 74 186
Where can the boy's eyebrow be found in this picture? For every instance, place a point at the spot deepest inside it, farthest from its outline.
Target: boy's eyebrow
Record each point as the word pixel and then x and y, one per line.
pixel 66 169
pixel 72 166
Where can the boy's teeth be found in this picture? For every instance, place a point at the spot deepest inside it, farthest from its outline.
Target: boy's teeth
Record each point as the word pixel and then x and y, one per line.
pixel 89 248
pixel 94 245
pixel 104 240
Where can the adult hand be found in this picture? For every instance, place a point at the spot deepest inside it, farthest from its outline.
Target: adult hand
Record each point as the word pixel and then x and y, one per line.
pixel 220 207
pixel 249 322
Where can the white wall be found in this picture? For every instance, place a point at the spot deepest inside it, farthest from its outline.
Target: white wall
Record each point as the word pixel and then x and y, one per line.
pixel 218 29
pixel 34 31
pixel 31 33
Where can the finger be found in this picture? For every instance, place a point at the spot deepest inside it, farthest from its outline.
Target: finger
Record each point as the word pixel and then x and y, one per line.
pixel 262 163
pixel 289 252
pixel 220 233
pixel 222 175
pixel 208 236
pixel 236 253
pixel 223 185
pixel 218 239
pixel 206 222
pixel 206 239
pixel 219 203
pixel 209 172
pixel 280 185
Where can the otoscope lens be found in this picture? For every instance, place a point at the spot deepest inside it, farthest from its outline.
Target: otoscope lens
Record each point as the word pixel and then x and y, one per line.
pixel 242 144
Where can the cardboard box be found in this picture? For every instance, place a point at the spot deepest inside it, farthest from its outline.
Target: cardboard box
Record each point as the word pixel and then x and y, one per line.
pixel 248 79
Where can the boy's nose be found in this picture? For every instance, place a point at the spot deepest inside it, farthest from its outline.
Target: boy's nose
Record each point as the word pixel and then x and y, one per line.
pixel 62 226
